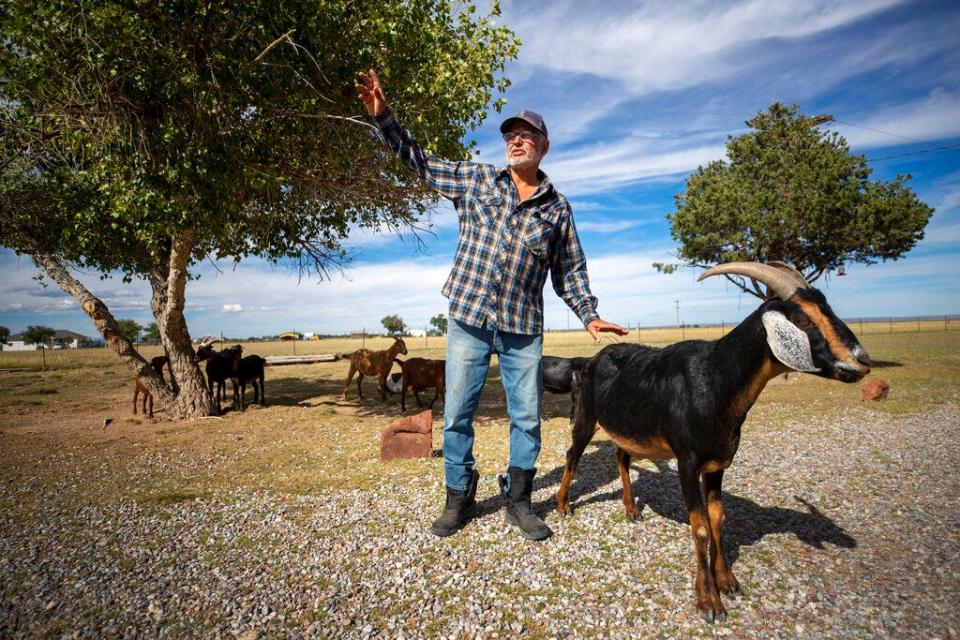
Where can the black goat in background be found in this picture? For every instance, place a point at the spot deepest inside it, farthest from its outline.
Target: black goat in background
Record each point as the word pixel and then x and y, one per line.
pixel 562 375
pixel 688 401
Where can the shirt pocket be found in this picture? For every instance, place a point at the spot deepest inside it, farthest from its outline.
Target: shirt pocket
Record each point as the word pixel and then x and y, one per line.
pixel 539 235
pixel 485 209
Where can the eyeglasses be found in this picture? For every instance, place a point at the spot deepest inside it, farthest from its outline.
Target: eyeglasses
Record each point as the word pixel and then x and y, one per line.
pixel 525 136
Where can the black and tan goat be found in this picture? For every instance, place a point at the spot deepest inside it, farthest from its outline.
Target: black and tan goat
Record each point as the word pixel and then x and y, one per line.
pixel 158 364
pixel 688 401
pixel 562 375
pixel 365 362
pixel 419 374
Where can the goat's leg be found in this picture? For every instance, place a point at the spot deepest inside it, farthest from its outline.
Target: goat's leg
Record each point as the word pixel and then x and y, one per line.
pixel 416 394
pixel 403 398
pixel 360 385
pixel 574 392
pixel 726 581
pixel 583 429
pixel 708 597
pixel 136 392
pixel 382 385
pixel 149 396
pixel 346 385
pixel 216 398
pixel 143 403
pixel 263 392
pixel 623 461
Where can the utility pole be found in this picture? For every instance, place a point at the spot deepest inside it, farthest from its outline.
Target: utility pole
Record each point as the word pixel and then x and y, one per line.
pixel 683 329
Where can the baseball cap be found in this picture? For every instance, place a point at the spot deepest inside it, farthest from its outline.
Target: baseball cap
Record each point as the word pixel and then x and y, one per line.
pixel 532 118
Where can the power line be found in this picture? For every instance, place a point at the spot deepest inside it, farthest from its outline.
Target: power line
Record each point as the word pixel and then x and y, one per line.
pixel 917 153
pixel 886 133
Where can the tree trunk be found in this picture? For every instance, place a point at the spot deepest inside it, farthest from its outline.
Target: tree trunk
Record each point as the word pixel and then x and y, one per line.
pixel 168 282
pixel 106 325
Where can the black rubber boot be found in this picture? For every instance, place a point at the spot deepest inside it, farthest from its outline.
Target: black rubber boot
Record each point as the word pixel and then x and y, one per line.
pixel 458 509
pixel 519 513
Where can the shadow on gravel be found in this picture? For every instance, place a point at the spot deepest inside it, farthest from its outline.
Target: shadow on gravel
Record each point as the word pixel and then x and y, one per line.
pixel 746 521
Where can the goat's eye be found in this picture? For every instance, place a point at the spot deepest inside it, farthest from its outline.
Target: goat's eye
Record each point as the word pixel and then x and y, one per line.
pixel 803 322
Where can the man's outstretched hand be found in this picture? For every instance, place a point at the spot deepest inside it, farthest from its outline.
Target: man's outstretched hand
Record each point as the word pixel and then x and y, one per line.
pixel 598 325
pixel 370 92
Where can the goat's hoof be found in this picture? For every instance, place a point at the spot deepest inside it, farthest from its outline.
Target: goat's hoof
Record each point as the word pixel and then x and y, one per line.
pixel 731 588
pixel 634 517
pixel 711 614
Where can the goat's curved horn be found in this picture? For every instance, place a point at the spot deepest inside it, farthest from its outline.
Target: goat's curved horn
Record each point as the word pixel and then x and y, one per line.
pixel 796 275
pixel 777 280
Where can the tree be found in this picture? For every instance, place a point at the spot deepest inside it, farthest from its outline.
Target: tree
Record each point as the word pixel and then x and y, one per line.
pixel 4 335
pixel 439 322
pixel 152 334
pixel 394 325
pixel 131 329
pixel 38 335
pixel 146 137
pixel 86 343
pixel 793 193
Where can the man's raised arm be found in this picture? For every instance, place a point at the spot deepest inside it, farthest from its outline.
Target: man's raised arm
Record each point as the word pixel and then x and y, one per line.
pixel 449 178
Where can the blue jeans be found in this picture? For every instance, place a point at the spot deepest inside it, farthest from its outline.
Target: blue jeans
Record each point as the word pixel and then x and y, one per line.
pixel 468 359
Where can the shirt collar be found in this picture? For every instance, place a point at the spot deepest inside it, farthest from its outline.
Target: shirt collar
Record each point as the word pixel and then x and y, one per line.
pixel 545 185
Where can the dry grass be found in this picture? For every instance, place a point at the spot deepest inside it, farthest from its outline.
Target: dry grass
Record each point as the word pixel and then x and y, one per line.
pixel 307 441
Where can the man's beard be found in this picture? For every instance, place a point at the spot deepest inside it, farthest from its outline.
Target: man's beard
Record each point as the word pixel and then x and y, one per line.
pixel 532 159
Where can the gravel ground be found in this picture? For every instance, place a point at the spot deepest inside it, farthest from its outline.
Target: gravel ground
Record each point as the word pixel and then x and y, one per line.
pixel 839 528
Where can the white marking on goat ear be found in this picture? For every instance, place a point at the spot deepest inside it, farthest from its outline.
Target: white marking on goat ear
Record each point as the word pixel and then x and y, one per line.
pixel 790 345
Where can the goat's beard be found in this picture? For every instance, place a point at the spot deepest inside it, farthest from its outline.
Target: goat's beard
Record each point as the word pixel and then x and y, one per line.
pixel 532 159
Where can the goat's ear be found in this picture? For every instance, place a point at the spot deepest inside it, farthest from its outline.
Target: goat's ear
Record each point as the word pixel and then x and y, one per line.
pixel 790 345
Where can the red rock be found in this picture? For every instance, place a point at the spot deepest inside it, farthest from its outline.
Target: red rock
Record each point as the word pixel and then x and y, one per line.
pixel 874 390
pixel 408 437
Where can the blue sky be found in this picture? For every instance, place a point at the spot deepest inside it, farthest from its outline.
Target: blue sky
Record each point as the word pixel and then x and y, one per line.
pixel 636 96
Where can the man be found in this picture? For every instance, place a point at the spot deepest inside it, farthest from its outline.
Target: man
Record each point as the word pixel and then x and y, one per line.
pixel 514 228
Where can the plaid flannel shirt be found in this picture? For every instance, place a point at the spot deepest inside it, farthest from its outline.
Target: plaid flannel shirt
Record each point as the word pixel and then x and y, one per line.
pixel 506 246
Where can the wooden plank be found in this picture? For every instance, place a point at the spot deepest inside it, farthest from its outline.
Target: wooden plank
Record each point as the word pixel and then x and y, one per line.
pixel 277 361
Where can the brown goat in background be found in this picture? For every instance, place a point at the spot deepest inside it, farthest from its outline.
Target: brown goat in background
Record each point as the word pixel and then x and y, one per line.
pixel 419 374
pixel 373 363
pixel 158 364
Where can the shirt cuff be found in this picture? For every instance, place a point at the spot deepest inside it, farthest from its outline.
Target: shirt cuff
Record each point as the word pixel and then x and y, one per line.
pixel 386 118
pixel 587 316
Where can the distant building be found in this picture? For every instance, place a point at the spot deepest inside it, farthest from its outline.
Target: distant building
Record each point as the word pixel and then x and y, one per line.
pixel 416 333
pixel 290 335
pixel 62 339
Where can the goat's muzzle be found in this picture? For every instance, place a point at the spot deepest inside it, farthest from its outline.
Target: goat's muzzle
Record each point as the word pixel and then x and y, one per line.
pixel 856 367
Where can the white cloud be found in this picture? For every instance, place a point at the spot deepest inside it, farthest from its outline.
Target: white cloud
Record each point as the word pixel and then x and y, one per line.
pixel 661 46
pixel 233 308
pixel 607 167
pixel 607 226
pixel 933 117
